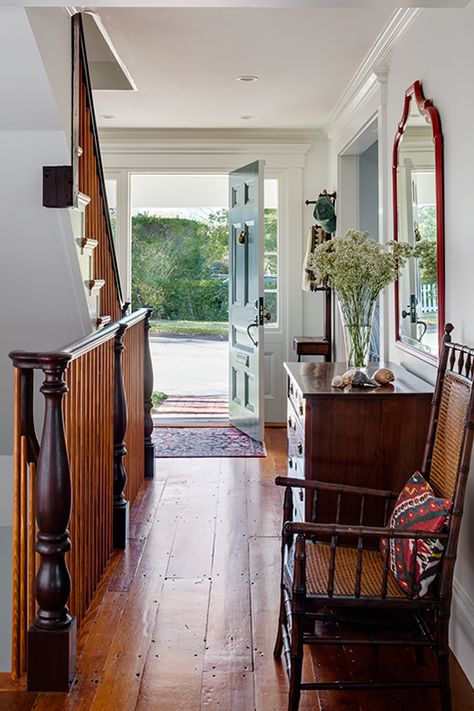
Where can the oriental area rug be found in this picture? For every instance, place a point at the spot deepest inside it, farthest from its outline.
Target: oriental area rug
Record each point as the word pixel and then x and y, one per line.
pixel 205 442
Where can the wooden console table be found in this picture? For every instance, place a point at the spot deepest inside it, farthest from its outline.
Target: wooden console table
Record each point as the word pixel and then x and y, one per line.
pixel 371 437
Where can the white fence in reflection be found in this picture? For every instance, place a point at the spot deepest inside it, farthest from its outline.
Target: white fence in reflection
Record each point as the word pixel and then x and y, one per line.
pixel 429 299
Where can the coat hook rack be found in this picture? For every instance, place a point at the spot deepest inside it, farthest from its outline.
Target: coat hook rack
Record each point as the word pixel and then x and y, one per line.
pixel 324 193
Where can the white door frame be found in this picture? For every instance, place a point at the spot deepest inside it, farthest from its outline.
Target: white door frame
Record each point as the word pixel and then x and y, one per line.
pixel 284 162
pixel 350 135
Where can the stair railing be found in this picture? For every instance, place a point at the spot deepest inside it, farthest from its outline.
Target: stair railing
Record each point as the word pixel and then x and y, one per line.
pixel 73 491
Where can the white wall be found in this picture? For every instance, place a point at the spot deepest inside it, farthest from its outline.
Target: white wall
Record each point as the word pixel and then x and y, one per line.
pixel 52 30
pixel 314 182
pixel 438 49
pixel 41 290
pixel 368 191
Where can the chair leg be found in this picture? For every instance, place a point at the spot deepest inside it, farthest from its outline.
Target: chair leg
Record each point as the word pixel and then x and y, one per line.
pixel 296 663
pixel 443 662
pixel 281 619
pixel 419 652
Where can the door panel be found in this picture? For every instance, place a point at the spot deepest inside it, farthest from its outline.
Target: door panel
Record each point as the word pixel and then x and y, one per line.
pixel 246 299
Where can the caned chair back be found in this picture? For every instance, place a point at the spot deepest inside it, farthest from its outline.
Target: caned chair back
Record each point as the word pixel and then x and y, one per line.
pixel 448 448
pixel 450 434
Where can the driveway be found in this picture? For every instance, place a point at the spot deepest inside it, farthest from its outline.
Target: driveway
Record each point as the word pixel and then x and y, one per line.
pixel 190 365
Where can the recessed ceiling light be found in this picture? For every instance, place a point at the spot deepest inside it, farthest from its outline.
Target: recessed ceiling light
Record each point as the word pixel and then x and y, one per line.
pixel 107 116
pixel 246 117
pixel 247 77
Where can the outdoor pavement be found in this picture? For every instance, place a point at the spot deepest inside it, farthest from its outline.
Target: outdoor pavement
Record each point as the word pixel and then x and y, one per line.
pixel 190 365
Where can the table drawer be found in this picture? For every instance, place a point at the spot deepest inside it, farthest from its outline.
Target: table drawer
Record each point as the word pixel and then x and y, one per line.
pixel 296 399
pixel 296 462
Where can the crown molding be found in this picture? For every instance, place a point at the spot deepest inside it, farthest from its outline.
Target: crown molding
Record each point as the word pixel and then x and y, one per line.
pixel 371 73
pixel 209 141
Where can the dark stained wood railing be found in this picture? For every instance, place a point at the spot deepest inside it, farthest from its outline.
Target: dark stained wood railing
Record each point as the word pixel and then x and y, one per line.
pixel 25 458
pixel 70 483
pixel 89 415
pixel 91 182
pixel 133 371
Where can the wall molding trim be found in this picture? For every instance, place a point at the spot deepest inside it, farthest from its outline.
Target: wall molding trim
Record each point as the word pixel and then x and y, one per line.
pixel 461 634
pixel 207 141
pixel 464 604
pixel 371 72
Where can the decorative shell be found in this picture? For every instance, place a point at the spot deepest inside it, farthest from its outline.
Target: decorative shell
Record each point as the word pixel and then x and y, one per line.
pixel 355 378
pixel 384 376
pixel 347 376
pixel 337 382
pixel 359 379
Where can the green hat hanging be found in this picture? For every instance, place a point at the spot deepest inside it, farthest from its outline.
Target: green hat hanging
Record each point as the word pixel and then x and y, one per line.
pixel 324 214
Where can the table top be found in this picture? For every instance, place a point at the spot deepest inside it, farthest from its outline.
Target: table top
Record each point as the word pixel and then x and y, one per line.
pixel 314 379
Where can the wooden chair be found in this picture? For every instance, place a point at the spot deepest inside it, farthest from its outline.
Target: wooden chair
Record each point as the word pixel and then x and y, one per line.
pixel 328 567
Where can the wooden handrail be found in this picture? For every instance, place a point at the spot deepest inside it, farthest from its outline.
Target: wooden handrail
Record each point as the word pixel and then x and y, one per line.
pixel 81 68
pixel 76 349
pixel 94 405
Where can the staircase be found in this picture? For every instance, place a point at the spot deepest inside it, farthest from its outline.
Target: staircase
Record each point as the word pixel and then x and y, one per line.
pixel 81 187
pixel 74 489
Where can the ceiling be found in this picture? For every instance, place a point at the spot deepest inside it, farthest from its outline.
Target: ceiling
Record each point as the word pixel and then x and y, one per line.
pixel 184 63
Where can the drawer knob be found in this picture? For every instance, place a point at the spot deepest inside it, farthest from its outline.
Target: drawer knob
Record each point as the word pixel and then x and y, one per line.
pixel 300 448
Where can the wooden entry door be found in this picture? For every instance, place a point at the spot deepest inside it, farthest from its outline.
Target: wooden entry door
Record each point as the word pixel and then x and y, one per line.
pixel 246 307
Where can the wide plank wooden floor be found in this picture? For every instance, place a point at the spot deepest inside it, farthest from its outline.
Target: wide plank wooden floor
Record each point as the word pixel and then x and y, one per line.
pixel 186 617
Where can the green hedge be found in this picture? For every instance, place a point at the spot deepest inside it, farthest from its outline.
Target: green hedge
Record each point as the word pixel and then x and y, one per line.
pixel 188 299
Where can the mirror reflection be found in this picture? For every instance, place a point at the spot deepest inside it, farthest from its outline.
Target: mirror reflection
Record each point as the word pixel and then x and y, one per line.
pixel 416 193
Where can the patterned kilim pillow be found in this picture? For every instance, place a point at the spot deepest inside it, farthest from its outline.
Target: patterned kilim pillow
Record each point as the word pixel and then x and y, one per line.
pixel 417 508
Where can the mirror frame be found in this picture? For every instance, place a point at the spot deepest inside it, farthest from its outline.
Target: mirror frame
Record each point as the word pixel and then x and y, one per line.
pixel 425 106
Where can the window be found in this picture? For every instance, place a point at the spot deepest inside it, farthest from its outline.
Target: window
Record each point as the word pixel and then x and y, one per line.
pixel 270 270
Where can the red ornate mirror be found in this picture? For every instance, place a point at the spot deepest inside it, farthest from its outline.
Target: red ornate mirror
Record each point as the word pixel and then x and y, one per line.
pixel 418 218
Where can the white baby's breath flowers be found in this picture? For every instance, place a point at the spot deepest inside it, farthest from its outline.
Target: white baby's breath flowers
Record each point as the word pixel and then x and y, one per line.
pixel 358 268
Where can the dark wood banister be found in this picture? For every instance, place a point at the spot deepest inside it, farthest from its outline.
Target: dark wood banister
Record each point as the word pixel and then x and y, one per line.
pixel 52 637
pixel 79 43
pixel 28 359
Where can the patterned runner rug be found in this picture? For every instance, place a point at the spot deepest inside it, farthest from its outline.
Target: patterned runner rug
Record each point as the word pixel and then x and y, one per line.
pixel 205 442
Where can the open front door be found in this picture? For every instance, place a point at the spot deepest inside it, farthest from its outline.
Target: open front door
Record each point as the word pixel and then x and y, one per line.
pixel 246 308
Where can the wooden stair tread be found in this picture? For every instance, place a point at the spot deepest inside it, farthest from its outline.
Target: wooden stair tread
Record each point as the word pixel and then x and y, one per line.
pixel 94 285
pixel 102 321
pixel 87 243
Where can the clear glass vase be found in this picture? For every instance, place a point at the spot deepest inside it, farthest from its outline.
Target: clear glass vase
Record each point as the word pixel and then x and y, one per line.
pixel 357 315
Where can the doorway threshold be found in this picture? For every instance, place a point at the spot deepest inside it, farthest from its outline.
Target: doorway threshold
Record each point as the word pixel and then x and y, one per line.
pixel 185 409
pixel 190 422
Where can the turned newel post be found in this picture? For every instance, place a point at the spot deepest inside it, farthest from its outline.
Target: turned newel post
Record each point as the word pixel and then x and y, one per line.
pixel 52 637
pixel 148 387
pixel 121 505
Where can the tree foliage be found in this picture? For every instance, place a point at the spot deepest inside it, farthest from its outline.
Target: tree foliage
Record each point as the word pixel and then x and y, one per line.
pixel 173 267
pixel 180 266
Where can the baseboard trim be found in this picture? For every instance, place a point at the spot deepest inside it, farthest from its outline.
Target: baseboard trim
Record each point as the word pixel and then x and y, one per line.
pixel 462 629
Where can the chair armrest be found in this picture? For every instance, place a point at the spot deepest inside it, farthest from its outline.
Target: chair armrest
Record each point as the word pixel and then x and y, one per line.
pixel 338 488
pixel 329 529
